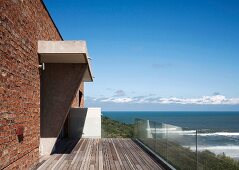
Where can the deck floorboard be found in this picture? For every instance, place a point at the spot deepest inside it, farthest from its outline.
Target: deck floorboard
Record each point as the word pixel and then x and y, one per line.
pixel 102 154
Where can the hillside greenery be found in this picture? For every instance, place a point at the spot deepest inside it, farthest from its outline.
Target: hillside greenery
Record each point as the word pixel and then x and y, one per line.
pixel 115 129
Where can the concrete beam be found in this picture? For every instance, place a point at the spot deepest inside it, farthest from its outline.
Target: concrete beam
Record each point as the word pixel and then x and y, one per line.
pixel 62 47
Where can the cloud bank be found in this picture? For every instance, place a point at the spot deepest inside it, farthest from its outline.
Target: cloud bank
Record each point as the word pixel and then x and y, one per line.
pixel 204 100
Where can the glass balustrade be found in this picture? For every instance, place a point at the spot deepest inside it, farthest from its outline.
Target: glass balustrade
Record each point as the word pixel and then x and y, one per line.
pixel 180 147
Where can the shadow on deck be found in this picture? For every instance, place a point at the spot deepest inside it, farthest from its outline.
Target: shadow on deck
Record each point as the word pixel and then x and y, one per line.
pixel 99 154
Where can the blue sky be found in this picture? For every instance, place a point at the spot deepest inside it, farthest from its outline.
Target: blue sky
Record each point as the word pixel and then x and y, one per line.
pixel 156 54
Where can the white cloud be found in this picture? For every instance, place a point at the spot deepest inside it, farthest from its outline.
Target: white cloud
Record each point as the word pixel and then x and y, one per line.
pixel 118 100
pixel 204 100
pixel 217 99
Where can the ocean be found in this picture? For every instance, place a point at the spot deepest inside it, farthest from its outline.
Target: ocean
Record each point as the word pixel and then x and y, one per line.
pixel 219 130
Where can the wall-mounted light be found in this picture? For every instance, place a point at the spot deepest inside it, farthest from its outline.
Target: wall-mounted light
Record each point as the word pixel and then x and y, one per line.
pixel 42 66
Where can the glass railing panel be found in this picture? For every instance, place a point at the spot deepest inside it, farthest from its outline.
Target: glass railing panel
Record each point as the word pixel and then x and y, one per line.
pixel 161 140
pixel 140 126
pixel 145 132
pixel 152 134
pixel 184 148
pixel 174 144
pixel 181 147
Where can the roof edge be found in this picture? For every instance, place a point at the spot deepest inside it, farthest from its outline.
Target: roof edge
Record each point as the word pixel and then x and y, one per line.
pixel 44 6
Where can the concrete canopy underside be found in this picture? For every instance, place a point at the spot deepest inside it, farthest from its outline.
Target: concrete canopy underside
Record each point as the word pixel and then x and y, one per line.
pixel 65 52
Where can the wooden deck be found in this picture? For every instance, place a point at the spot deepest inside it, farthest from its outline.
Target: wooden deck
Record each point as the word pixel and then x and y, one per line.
pixel 99 154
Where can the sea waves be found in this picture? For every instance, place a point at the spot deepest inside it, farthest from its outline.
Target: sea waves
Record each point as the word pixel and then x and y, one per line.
pixel 219 134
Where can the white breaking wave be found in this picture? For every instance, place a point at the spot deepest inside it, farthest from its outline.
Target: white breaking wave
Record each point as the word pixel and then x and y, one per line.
pixel 224 147
pixel 171 130
pixel 191 132
pixel 219 134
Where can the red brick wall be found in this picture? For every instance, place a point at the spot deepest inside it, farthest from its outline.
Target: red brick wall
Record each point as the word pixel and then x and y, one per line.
pixel 76 100
pixel 22 24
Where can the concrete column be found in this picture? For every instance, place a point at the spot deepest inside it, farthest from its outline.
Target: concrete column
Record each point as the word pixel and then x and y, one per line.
pixel 92 127
pixel 85 122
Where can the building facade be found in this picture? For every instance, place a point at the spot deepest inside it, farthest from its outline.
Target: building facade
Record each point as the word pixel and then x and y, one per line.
pixel 22 24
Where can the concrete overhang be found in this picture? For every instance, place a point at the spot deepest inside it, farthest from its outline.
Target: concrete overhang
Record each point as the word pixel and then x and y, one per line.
pixel 65 52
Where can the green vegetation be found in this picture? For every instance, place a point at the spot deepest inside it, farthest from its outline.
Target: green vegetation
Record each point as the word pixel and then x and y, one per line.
pixel 219 162
pixel 115 129
pixel 184 158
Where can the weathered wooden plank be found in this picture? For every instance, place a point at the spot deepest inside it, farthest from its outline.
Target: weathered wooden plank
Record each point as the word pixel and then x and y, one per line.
pixel 78 152
pixel 82 158
pixel 139 167
pixel 131 159
pixel 59 162
pixel 111 159
pixel 143 164
pixel 130 163
pixel 125 153
pixel 136 156
pixel 92 167
pixel 89 156
pixel 119 148
pixel 97 155
pixel 145 158
pixel 71 156
pixel 100 156
pixel 47 163
pixel 79 156
pixel 114 155
pixel 117 154
pixel 93 153
pixel 58 156
pixel 148 163
pixel 106 157
pixel 62 165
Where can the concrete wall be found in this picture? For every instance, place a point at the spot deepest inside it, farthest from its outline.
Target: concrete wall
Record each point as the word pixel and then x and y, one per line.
pixel 76 121
pixel 85 122
pixel 22 24
pixel 92 127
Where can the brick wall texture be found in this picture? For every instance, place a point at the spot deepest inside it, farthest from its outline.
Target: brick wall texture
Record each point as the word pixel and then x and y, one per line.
pixel 79 102
pixel 22 24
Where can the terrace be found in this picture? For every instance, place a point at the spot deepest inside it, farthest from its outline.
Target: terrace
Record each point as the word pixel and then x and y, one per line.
pixel 101 154
pixel 154 146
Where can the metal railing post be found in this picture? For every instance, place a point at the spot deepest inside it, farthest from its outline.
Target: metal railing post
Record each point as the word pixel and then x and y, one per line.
pixel 166 127
pixel 196 149
pixel 155 143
